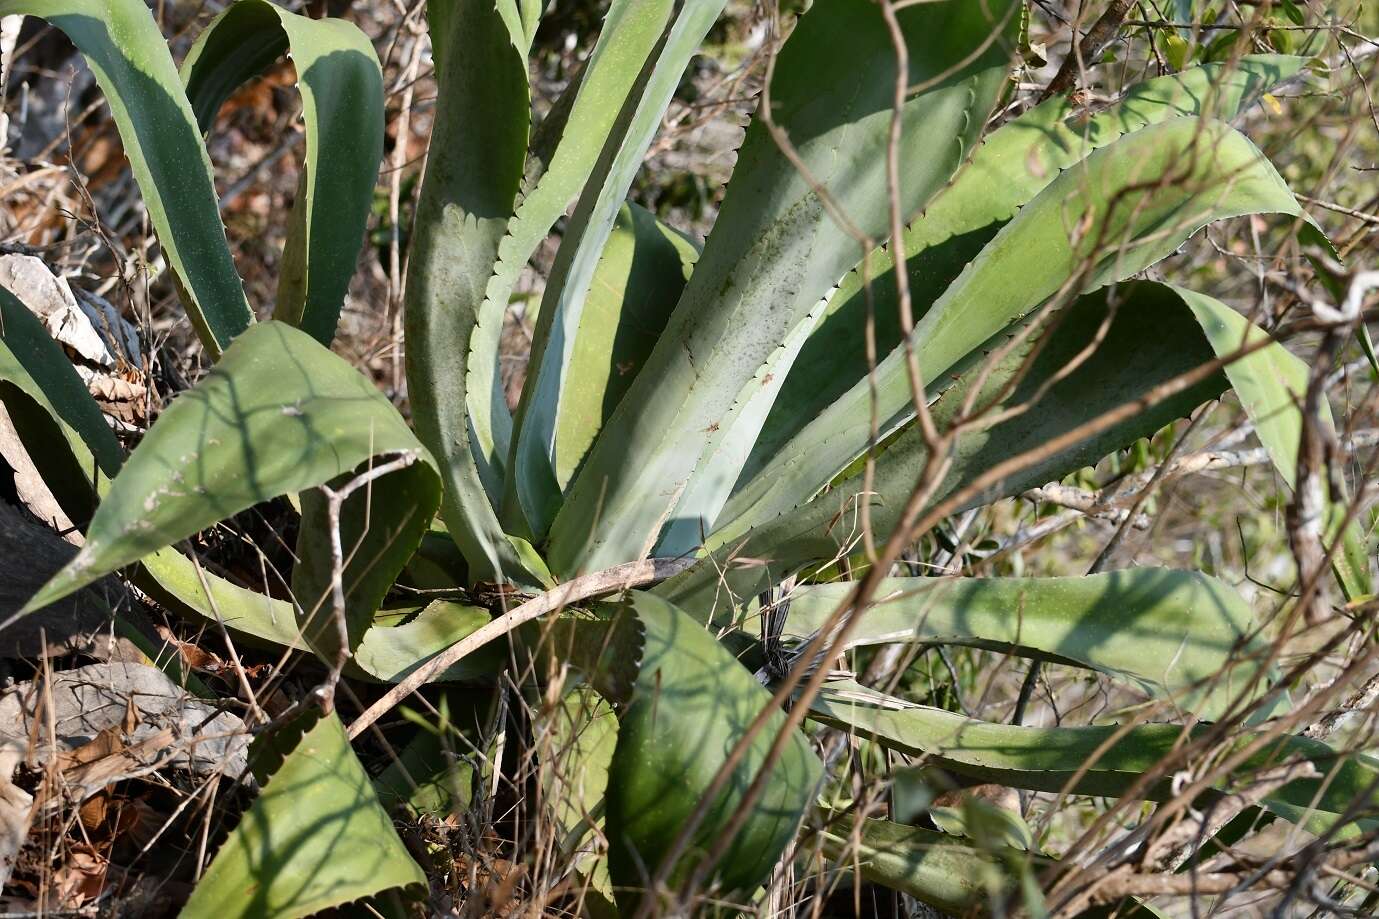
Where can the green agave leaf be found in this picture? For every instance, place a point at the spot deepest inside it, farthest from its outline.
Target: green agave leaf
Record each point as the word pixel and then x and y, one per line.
pixel 172 579
pixel 774 242
pixel 1152 338
pixel 636 285
pixel 473 174
pixel 986 824
pixel 691 702
pixel 390 653
pixel 532 494
pixel 315 837
pixel 1012 165
pixel 342 108
pixel 47 399
pixel 42 392
pixel 380 528
pixel 1048 759
pixel 1171 633
pixel 1123 208
pixel 55 417
pixel 130 59
pixel 577 131
pixel 933 868
pixel 435 772
pixel 278 415
pixel 930 866
pixel 1271 383
pixel 583 732
pixel 424 779
pixel 521 17
pixel 386 653
pixel 60 421
pixel 712 481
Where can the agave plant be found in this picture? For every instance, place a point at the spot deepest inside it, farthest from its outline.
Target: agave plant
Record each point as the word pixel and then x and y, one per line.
pixel 707 435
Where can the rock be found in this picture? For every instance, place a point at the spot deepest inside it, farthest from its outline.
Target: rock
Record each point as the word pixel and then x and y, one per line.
pixel 135 702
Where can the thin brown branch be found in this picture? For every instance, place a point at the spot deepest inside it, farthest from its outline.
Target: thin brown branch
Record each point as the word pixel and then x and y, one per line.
pixel 613 580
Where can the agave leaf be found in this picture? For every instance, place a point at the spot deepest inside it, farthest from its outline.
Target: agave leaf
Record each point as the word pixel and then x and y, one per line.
pixel 638 280
pixel 1171 633
pixel 315 837
pixel 390 653
pixel 774 242
pixel 1012 165
pixel 435 772
pixel 47 398
pixel 986 824
pixel 570 141
pixel 928 865
pixel 1272 383
pixel 1050 759
pixel 173 580
pixel 342 108
pixel 1152 338
pixel 42 391
pixel 380 527
pixel 426 779
pixel 713 480
pixel 278 415
pixel 960 879
pixel 130 59
pixel 583 732
pixel 473 173
pixel 690 704
pixel 50 404
pixel 56 419
pixel 532 493
pixel 1123 208
pixel 579 130
pixel 386 653
pixel 521 17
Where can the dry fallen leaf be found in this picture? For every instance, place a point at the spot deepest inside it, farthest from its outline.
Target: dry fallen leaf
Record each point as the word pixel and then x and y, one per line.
pixel 80 878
